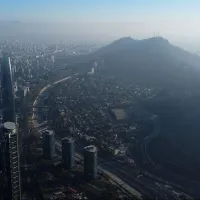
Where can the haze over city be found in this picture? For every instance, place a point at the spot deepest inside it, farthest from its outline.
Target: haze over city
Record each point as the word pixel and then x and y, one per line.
pixel 99 100
pixel 105 21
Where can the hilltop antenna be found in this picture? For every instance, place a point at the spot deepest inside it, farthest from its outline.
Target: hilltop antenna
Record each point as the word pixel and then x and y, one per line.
pixel 156 34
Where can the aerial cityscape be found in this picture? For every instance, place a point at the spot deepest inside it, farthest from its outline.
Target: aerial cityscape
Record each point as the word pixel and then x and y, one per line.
pixel 87 112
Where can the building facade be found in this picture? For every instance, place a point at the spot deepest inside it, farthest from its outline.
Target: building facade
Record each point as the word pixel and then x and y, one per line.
pixel 8 96
pixel 13 189
pixel 90 163
pixel 48 144
pixel 68 152
pixel 9 152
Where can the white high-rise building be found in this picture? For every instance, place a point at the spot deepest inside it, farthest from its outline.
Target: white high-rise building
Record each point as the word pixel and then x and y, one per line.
pixel 26 90
pixel 53 58
pixel 15 87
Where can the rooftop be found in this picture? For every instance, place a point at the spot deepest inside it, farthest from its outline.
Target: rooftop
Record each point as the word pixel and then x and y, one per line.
pixel 49 132
pixel 90 148
pixel 9 125
pixel 119 113
pixel 68 139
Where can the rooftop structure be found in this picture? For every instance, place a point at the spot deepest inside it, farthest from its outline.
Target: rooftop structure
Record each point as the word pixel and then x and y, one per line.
pixel 90 148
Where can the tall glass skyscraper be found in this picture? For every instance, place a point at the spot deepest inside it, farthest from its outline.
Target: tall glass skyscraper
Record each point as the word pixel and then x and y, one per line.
pixel 9 152
pixel 7 90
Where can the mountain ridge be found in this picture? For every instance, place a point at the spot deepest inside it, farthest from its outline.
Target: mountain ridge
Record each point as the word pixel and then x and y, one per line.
pixel 157 64
pixel 153 61
pixel 150 44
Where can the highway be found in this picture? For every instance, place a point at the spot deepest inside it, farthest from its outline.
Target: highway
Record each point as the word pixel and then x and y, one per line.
pixel 112 176
pixel 137 186
pixel 105 170
pixel 43 90
pixel 187 185
pixel 122 176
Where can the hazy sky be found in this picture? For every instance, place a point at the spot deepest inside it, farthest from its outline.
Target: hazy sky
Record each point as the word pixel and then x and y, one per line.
pixel 178 20
pixel 98 10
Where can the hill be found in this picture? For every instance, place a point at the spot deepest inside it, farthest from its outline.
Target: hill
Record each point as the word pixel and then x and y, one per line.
pixel 151 61
pixel 156 46
pixel 156 63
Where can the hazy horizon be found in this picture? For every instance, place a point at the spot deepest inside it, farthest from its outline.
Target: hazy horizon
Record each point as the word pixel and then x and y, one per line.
pixel 103 21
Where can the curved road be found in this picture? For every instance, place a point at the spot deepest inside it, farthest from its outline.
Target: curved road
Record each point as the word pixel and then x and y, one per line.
pixel 118 173
pixel 155 166
pixel 112 176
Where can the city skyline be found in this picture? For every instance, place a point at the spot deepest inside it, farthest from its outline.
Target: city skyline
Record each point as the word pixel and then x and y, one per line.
pixel 81 119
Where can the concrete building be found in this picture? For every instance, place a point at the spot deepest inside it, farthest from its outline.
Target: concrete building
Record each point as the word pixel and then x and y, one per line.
pixel 48 144
pixel 26 90
pixel 91 72
pixel 114 151
pixel 53 58
pixel 68 152
pixel 90 162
